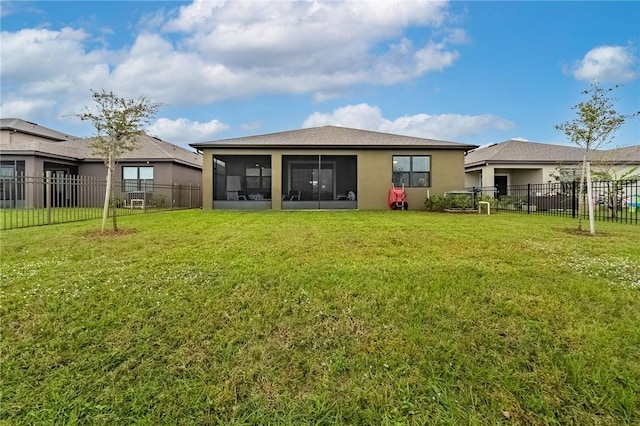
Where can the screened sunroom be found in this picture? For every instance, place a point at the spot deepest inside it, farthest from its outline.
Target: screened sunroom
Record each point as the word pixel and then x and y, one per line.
pixel 319 181
pixel 242 182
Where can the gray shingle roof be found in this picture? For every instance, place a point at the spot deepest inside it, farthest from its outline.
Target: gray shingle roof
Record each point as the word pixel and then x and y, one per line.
pixel 331 137
pixel 61 150
pixel 30 128
pixel 515 151
pixel 149 149
pixel 630 154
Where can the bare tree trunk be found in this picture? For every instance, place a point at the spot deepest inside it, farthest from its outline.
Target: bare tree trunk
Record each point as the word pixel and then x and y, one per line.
pixel 107 197
pixel 581 192
pixel 114 210
pixel 592 225
pixel 114 204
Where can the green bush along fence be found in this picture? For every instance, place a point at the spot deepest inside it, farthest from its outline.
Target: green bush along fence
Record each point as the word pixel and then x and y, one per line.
pixel 613 201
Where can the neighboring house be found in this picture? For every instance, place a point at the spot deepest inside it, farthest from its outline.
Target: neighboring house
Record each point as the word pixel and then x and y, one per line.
pixel 619 162
pixel 327 168
pixel 516 162
pixel 27 149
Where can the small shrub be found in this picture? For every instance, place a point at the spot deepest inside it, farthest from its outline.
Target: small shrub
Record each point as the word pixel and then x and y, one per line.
pixel 493 202
pixel 462 201
pixel 440 203
pixel 508 202
pixel 158 200
pixel 117 202
pixel 437 203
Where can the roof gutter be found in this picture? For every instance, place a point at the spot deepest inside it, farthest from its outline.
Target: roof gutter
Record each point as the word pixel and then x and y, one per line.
pixel 200 148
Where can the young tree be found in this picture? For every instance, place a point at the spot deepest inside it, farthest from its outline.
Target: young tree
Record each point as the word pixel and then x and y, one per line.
pixel 118 124
pixel 596 122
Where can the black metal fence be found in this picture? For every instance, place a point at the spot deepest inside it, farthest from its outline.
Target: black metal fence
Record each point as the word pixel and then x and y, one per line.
pixel 613 201
pixel 43 200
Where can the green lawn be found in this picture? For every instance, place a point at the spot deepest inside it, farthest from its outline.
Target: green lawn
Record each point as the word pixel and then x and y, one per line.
pixel 372 318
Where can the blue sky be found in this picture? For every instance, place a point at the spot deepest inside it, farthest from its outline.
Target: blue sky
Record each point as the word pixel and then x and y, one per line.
pixel 473 72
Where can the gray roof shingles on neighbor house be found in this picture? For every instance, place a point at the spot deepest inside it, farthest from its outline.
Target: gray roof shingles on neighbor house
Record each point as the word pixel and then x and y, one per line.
pixel 77 149
pixel 332 137
pixel 629 154
pixel 27 127
pixel 516 151
pixel 149 149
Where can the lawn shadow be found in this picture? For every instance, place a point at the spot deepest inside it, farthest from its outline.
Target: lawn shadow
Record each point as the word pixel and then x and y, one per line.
pixel 110 233
pixel 583 232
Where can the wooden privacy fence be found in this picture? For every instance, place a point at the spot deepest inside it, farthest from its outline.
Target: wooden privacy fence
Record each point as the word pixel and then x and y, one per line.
pixel 43 200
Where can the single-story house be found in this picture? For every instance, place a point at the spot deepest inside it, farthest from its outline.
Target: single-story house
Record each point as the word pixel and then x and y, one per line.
pixel 517 162
pixel 27 149
pixel 327 167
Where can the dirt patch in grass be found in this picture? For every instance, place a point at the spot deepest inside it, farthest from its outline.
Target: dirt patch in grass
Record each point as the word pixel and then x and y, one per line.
pixel 110 233
pixel 585 233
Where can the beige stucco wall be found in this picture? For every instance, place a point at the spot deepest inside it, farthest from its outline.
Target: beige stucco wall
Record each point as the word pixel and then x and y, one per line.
pixel 473 178
pixel 92 169
pixel 164 173
pixel 185 175
pixel 526 176
pixel 375 168
pixel 516 175
pixel 7 136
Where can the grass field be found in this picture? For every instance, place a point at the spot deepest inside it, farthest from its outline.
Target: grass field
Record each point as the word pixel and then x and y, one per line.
pixel 372 318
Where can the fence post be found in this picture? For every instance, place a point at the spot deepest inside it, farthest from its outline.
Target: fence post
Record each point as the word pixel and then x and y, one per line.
pixel 49 190
pixel 574 198
pixel 528 198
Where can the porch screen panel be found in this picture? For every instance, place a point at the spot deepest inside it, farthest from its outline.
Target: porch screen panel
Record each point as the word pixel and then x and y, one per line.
pixel 339 182
pixel 321 181
pixel 242 178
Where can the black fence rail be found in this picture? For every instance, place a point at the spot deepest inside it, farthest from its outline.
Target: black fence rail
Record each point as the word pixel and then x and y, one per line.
pixel 613 201
pixel 43 200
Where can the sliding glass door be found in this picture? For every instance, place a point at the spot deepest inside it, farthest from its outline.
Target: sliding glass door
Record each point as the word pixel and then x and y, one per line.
pixel 319 182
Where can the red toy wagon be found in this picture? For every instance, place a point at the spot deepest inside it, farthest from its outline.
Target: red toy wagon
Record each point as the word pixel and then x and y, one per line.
pixel 398 198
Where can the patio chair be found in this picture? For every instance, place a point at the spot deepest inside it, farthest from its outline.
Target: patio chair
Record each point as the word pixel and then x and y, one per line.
pixel 235 196
pixel 292 196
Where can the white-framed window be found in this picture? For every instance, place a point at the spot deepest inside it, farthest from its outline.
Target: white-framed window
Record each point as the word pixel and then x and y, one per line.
pixel 137 178
pixel 412 170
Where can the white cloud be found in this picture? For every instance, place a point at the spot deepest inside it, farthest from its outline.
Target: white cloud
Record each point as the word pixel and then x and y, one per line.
pixel 209 51
pixel 315 47
pixel 607 64
pixel 49 73
pixel 361 116
pixel 184 131
pixel 24 108
pixel 33 55
pixel 249 127
pixel 443 126
pixel 216 50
